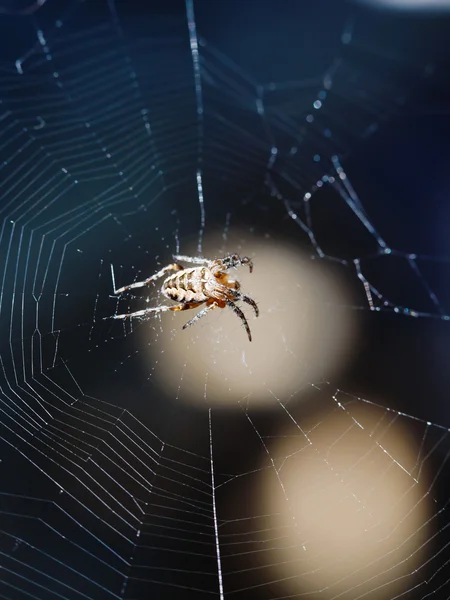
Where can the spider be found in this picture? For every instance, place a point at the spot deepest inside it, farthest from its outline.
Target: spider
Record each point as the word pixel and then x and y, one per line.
pixel 207 283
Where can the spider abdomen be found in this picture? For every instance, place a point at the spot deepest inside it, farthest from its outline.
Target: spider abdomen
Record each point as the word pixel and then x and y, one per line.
pixel 187 285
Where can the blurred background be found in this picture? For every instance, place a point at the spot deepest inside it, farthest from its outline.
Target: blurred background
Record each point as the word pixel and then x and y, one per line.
pixel 140 460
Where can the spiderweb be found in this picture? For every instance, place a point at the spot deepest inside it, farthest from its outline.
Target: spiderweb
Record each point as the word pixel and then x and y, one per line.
pixel 142 461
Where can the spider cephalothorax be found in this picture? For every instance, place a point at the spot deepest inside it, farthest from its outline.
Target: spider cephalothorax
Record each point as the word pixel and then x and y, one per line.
pixel 208 283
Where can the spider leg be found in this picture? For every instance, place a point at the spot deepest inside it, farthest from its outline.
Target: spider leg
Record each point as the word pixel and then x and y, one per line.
pixel 233 284
pixel 199 315
pixel 156 309
pixel 144 312
pixel 238 296
pixel 241 315
pixel 144 282
pixel 234 260
pixel 252 303
pixel 231 290
pixel 195 260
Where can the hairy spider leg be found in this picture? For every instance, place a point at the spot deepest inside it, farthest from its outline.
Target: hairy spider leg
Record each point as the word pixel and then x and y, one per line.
pixel 247 300
pixel 200 314
pixel 234 260
pixel 156 309
pixel 195 260
pixel 229 303
pixel 138 284
pixel 226 290
pixel 222 298
pixel 241 315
